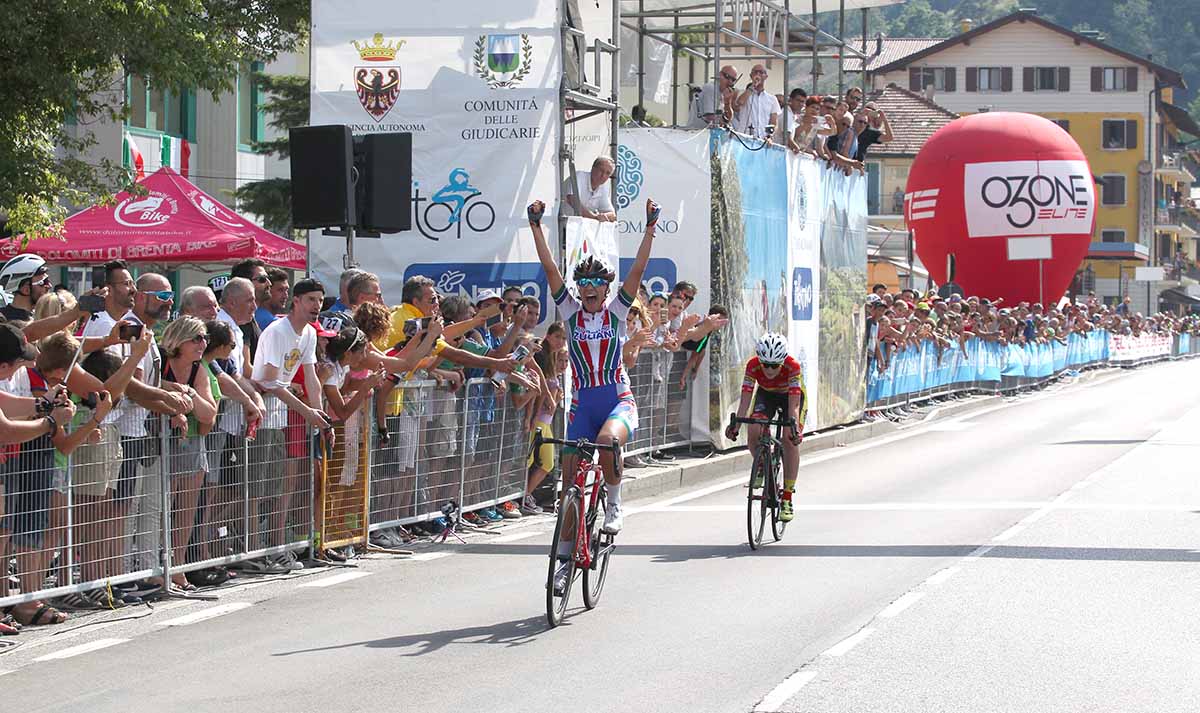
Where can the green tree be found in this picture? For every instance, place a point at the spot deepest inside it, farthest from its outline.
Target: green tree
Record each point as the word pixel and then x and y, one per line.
pixel 917 18
pixel 69 58
pixel 271 199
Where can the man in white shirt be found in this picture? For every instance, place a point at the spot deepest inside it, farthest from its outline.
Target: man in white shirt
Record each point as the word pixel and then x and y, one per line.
pixel 145 302
pixel 757 109
pixel 795 111
pixel 285 348
pixel 714 106
pixel 591 196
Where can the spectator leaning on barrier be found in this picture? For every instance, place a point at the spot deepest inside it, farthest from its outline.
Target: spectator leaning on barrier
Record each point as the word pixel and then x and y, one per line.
pixel 590 194
pixel 793 109
pixel 872 127
pixel 276 298
pixel 255 271
pixel 757 111
pixel 287 348
pixel 342 304
pixel 27 278
pixel 714 106
pixel 183 346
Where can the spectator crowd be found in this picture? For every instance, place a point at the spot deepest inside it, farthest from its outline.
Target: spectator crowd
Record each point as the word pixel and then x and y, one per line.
pixel 250 366
pixel 903 320
pixel 839 130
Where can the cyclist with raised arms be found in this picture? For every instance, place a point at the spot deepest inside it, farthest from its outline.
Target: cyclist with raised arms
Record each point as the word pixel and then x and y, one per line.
pixel 603 407
pixel 780 389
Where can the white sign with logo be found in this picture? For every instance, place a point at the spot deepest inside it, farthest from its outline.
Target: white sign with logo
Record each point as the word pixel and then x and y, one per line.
pixel 1005 198
pixel 804 266
pixel 476 83
pixel 672 168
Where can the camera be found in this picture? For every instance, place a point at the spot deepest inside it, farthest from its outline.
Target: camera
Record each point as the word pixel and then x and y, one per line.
pixel 89 401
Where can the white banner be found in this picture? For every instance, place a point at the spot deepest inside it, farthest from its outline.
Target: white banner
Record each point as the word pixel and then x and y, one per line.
pixel 481 103
pixel 804 263
pixel 1027 198
pixel 671 167
pixel 589 237
pixel 1146 346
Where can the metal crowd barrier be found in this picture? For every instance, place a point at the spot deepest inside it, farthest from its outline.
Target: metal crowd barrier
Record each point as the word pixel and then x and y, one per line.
pixel 921 372
pixel 664 405
pixel 116 510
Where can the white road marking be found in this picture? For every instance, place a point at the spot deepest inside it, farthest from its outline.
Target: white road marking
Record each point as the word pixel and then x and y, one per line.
pixel 952 426
pixel 514 537
pixel 900 605
pixel 942 576
pixel 336 579
pixel 206 614
pixel 856 507
pixel 427 556
pixel 844 646
pixel 1009 533
pixel 81 649
pixel 784 691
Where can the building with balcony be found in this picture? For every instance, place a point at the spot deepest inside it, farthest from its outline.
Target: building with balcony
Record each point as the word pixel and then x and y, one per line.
pixel 1114 103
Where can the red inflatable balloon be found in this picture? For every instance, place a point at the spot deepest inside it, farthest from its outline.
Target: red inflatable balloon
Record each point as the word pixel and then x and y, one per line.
pixel 1011 197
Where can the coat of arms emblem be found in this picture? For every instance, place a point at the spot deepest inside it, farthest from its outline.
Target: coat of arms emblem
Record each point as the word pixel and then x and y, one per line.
pixel 503 60
pixel 377 87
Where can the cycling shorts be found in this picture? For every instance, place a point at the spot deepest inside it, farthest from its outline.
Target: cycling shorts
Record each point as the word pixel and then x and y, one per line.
pixel 595 405
pixel 769 403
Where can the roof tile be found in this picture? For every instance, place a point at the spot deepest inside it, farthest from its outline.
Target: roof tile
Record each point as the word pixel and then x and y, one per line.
pixel 913 118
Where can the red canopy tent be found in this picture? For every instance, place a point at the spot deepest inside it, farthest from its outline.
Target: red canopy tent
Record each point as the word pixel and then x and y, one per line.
pixel 174 223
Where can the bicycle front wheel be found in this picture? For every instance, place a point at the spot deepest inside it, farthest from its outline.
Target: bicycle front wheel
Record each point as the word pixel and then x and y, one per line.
pixel 756 501
pixel 568 518
pixel 776 487
pixel 600 545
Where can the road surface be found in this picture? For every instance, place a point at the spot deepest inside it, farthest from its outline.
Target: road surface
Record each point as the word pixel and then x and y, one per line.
pixel 1032 555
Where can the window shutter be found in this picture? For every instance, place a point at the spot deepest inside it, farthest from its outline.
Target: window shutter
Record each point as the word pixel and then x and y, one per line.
pixel 1006 79
pixel 1131 134
pixel 1097 79
pixel 914 79
pixel 1131 75
pixel 972 78
pixel 1064 79
pixel 1027 79
pixel 951 80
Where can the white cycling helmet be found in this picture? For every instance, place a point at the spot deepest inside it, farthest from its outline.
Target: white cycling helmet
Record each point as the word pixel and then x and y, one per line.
pixel 21 267
pixel 772 348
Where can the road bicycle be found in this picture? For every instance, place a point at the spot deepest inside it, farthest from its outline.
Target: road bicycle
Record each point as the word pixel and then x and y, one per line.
pixel 592 547
pixel 764 497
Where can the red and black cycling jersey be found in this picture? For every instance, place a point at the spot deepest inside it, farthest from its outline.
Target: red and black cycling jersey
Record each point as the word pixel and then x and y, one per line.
pixel 788 380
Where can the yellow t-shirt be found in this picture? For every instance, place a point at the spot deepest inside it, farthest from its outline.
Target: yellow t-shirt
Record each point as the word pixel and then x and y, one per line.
pixel 395 338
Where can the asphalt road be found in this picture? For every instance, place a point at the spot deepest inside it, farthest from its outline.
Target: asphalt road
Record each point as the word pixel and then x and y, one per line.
pixel 1040 554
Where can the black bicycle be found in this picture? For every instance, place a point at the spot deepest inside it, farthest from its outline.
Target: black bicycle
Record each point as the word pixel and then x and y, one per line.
pixel 764 498
pixel 592 546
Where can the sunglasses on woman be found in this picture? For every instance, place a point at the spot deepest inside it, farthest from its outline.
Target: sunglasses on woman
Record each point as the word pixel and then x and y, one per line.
pixel 769 365
pixel 592 282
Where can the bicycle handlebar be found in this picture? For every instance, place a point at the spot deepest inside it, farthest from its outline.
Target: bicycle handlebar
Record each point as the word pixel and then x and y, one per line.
pixel 539 440
pixel 789 422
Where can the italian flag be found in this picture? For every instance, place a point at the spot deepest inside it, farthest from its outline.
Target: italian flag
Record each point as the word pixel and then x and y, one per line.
pixel 176 154
pixel 133 157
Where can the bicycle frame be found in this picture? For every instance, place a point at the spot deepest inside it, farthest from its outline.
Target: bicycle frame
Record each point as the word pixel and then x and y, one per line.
pixel 583 548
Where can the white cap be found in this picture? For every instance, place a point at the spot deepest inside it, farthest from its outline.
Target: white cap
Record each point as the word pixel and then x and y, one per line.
pixel 487 294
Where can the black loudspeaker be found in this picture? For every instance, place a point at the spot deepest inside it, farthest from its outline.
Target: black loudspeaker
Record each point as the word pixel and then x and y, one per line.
pixel 385 182
pixel 322 189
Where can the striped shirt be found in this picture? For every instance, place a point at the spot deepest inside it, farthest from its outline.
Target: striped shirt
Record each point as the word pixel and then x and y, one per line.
pixel 595 339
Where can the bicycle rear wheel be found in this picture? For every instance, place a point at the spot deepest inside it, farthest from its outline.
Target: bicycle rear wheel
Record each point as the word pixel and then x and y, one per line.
pixel 776 485
pixel 569 512
pixel 600 545
pixel 756 503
